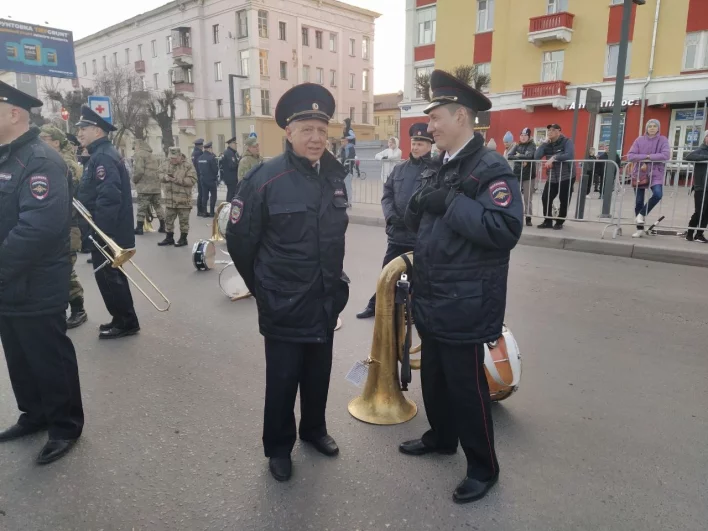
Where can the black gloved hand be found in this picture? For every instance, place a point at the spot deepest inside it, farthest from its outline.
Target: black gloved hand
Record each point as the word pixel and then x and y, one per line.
pixel 415 204
pixel 434 202
pixel 395 221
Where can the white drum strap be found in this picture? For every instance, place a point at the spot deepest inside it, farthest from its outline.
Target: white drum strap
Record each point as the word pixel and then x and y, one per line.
pixel 492 369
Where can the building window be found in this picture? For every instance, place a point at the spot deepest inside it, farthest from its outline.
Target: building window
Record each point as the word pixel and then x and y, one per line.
pixel 539 135
pixel 365 113
pixel 282 31
pixel 283 70
pixel 305 36
pixel 484 69
pixel 352 81
pixel 169 43
pixel 245 58
pixel 365 47
pixel 127 56
pixel 352 111
pixel 140 52
pixel 616 2
pixel 155 78
pixel 352 47
pixel 377 121
pixel 217 71
pixel 365 81
pixel 332 78
pixel 318 39
pixel 265 102
pixel 552 66
pixel 104 62
pixel 93 67
pixel 263 23
pixel 332 42
pixel 305 73
pixel 221 142
pixel 153 46
pixel 603 143
pixel 263 62
pixel 424 70
pixel 115 58
pixel 242 23
pixel 215 34
pixel 170 77
pixel 613 58
pixel 84 68
pixel 695 54
pixel 426 25
pixel 485 15
pixel 320 76
pixel 556 6
pixel 246 102
pixel 219 108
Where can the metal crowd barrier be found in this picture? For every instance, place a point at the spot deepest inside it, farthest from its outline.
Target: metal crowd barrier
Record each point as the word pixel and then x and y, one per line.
pixel 365 179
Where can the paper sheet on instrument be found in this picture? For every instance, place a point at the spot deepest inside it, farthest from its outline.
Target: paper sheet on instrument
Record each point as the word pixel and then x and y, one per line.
pixel 358 373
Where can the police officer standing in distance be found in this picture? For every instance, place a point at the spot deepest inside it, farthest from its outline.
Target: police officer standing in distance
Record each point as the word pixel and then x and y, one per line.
pixel 196 153
pixel 105 192
pixel 229 168
pixel 467 218
pixel 398 189
pixel 208 177
pixel 286 238
pixel 35 216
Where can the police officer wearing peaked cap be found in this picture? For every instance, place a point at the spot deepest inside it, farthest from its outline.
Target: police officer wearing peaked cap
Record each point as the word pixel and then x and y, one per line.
pixel 105 192
pixel 286 238
pixel 208 178
pixel 468 217
pixel 35 212
pixel 197 152
pixel 229 168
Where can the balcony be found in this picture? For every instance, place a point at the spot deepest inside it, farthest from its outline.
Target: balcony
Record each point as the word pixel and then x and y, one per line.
pixel 187 125
pixel 140 67
pixel 552 93
pixel 182 87
pixel 182 56
pixel 548 28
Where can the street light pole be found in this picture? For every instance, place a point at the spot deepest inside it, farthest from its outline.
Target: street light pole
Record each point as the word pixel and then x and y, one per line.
pixel 232 102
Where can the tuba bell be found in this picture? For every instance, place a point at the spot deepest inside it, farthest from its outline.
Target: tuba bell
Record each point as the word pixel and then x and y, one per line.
pixel 218 226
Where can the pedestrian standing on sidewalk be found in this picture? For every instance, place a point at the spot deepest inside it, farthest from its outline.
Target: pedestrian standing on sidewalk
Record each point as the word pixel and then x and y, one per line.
pixel 521 156
pixel 700 192
pixel 559 152
pixel 648 153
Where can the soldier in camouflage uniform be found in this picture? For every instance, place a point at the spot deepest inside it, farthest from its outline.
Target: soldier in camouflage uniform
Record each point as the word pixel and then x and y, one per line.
pixel 251 157
pixel 57 140
pixel 147 184
pixel 178 177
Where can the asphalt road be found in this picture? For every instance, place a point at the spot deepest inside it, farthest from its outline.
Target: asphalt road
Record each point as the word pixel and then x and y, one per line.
pixel 607 431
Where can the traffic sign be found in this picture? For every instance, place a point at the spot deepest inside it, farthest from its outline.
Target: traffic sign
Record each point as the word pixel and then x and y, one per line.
pixel 101 105
pixel 253 135
pixel 64 114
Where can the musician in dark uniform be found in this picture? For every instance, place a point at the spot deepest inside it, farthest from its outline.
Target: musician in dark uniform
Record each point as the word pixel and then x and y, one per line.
pixel 286 238
pixel 35 265
pixel 105 192
pixel 468 217
pixel 398 189
pixel 208 176
pixel 229 168
pixel 196 153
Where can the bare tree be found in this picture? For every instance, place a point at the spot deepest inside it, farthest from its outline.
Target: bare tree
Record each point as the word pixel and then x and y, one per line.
pixel 129 100
pixel 422 85
pixel 71 100
pixel 162 109
pixel 471 75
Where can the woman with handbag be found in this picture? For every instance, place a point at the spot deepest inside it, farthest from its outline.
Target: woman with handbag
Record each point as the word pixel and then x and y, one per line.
pixel 648 155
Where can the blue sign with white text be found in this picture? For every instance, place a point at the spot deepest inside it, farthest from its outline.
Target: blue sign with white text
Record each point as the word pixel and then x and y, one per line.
pixel 39 50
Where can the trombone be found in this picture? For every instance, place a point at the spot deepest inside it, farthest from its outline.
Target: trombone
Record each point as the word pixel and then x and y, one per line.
pixel 117 257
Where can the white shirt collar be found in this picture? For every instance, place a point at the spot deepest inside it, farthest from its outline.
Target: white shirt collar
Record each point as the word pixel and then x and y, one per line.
pixel 316 166
pixel 449 156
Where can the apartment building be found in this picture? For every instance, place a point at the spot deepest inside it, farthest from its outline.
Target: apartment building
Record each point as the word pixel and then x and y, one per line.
pixel 387 115
pixel 539 53
pixel 193 46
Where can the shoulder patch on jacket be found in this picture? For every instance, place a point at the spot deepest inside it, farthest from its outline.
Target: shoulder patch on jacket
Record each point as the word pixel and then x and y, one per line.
pixel 100 172
pixel 39 186
pixel 236 210
pixel 501 193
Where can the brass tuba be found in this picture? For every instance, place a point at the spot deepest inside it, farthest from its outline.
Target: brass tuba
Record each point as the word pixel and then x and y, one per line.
pixel 216 235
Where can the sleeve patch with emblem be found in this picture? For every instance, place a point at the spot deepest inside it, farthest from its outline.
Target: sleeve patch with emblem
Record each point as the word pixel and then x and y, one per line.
pixel 501 193
pixel 101 172
pixel 39 186
pixel 236 210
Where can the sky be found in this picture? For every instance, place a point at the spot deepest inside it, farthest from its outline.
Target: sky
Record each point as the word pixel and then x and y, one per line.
pixel 89 16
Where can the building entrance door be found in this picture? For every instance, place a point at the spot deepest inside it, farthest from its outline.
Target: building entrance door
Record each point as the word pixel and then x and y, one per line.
pixel 686 128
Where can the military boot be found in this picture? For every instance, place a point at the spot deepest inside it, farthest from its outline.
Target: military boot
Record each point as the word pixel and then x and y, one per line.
pixel 182 240
pixel 169 239
pixel 139 228
pixel 162 226
pixel 78 314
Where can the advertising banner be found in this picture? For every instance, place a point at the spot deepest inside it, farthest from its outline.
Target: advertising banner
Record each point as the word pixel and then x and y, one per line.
pixel 32 49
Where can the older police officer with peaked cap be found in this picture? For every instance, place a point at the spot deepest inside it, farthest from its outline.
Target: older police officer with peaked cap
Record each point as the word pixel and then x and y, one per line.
pixel 105 192
pixel 286 237
pixel 468 217
pixel 35 216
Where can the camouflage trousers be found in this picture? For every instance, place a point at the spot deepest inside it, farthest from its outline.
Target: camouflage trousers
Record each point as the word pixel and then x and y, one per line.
pixel 144 202
pixel 75 288
pixel 182 213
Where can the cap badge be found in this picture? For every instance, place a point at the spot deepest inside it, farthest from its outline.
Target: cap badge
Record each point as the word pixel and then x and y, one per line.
pixel 315 107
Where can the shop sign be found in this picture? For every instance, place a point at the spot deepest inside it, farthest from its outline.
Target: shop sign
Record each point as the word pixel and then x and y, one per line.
pixel 607 104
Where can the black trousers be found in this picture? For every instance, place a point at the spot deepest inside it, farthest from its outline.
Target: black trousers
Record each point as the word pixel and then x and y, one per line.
pixel 457 403
pixel 394 250
pixel 230 191
pixel 208 193
pixel 700 214
pixel 287 366
pixel 44 373
pixel 115 290
pixel 563 191
pixel 199 194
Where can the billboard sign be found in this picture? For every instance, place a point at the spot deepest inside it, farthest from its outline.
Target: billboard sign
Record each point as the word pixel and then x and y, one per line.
pixel 32 49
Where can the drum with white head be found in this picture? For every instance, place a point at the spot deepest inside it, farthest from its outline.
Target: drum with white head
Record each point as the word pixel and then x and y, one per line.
pixel 502 364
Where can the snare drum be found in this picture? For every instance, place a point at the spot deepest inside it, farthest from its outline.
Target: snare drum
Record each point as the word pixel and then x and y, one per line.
pixel 232 284
pixel 204 255
pixel 502 365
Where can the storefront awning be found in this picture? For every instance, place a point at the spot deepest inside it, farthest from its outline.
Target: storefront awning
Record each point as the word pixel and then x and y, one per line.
pixel 687 96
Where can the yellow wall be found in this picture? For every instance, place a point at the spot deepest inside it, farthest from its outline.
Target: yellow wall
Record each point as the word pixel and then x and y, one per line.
pixel 387 123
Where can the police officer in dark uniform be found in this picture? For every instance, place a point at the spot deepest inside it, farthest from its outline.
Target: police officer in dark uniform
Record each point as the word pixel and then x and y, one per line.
pixel 286 238
pixel 35 265
pixel 196 153
pixel 229 168
pixel 398 189
pixel 208 176
pixel 467 217
pixel 105 192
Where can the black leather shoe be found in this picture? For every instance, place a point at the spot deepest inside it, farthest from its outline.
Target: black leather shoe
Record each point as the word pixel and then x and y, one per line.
pixel 324 445
pixel 545 225
pixel 366 313
pixel 418 447
pixel 281 468
pixel 106 326
pixel 529 223
pixel 115 332
pixel 558 226
pixel 17 431
pixel 77 318
pixel 470 490
pixel 54 449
